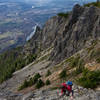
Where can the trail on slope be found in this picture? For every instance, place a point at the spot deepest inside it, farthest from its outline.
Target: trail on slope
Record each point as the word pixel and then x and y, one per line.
pixel 11 85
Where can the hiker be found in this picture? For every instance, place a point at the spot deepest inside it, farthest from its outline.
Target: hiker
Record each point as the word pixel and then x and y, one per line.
pixel 66 89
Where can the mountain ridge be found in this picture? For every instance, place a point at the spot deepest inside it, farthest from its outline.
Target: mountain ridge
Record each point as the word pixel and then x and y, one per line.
pixel 59 30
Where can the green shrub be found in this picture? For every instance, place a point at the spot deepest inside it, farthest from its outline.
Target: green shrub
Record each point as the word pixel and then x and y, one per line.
pixel 69 59
pixel 13 60
pixel 30 82
pixel 39 84
pixel 63 74
pixel 48 73
pixel 48 82
pixel 54 88
pixel 98 60
pixel 95 54
pixel 65 15
pixel 31 58
pixel 74 62
pixel 36 77
pixel 80 66
pixel 90 79
pixel 24 85
pixel 97 4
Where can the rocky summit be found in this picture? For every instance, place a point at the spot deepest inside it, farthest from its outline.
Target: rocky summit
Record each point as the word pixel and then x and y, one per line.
pixel 66 48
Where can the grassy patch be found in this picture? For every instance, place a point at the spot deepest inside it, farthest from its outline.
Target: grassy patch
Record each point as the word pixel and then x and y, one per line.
pixel 90 79
pixel 97 4
pixel 39 84
pixel 65 15
pixel 98 60
pixel 94 54
pixel 48 73
pixel 44 57
pixel 47 82
pixel 24 85
pixel 74 61
pixel 90 48
pixel 54 88
pixel 30 82
pixel 63 74
pixel 80 66
pixel 94 42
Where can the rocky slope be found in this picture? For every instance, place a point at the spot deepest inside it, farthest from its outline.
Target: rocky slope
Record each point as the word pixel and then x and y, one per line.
pixel 83 24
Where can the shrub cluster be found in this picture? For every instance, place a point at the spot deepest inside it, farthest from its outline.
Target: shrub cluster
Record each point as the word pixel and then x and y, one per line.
pixel 65 15
pixel 48 73
pixel 97 4
pixel 30 82
pixel 98 60
pixel 78 63
pixel 11 61
pixel 63 74
pixel 80 66
pixel 39 84
pixel 90 79
pixel 95 54
pixel 74 62
pixel 34 81
pixel 47 82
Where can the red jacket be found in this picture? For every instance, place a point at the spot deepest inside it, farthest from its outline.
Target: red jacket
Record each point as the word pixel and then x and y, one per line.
pixel 66 87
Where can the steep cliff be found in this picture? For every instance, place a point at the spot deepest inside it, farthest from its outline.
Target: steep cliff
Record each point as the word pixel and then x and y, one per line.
pixel 69 35
pixel 83 24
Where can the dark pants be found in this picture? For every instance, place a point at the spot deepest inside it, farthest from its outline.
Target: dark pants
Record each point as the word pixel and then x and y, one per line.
pixel 67 93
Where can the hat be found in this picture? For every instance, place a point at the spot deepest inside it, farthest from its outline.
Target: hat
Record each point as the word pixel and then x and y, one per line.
pixel 69 83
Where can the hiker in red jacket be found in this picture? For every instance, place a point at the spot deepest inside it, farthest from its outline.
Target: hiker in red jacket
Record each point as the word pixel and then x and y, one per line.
pixel 66 88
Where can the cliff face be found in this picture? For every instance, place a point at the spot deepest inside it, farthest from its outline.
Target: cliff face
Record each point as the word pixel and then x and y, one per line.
pixel 44 38
pixel 70 35
pixel 83 24
pixel 52 29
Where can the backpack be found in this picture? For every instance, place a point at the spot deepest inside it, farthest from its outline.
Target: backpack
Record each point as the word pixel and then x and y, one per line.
pixel 69 88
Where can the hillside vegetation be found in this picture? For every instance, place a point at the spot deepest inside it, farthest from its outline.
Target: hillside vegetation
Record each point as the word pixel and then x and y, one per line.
pixel 12 61
pixel 97 4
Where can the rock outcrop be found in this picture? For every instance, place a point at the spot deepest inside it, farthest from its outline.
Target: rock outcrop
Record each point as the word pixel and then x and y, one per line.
pixel 68 35
pixel 83 24
pixel 48 94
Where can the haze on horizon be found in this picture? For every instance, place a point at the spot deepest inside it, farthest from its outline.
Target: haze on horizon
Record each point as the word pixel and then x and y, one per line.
pixel 44 2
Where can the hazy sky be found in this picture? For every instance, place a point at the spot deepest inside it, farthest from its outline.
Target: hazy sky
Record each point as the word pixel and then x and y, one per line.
pixel 49 2
pixel 42 2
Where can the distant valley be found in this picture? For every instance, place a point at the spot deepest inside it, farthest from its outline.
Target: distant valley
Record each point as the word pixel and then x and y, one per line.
pixel 17 18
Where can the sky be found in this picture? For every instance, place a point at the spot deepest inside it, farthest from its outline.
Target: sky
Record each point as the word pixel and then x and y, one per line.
pixel 43 2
